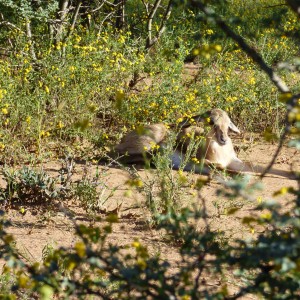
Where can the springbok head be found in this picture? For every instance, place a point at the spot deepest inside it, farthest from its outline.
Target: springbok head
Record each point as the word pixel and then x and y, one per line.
pixel 220 121
pixel 222 124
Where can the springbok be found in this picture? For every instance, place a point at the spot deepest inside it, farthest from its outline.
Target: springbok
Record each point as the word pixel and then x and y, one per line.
pixel 218 150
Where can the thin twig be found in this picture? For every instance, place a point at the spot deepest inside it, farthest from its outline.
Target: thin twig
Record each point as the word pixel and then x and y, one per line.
pixel 294 5
pixel 162 25
pixel 290 105
pixel 275 5
pixel 275 155
pixel 29 36
pixel 71 28
pixel 150 20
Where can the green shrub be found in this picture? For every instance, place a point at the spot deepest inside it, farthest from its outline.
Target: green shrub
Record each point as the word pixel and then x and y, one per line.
pixel 92 192
pixel 28 186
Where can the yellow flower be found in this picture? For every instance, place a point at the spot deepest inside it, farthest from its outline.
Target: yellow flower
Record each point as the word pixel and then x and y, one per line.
pixel 284 190
pixel 266 216
pixel 196 51
pixel 259 200
pixel 252 80
pixel 2 93
pixel 186 297
pixel 23 281
pixel 136 244
pixel 121 39
pixel 209 31
pixel 80 249
pixel 4 110
pixel 218 48
pixel 28 119
pixel 60 125
pixel 195 160
pixel 141 263
pixel 44 133
pixel 47 89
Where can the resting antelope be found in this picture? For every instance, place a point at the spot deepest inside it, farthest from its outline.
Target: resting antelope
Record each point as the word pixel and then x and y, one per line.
pixel 218 149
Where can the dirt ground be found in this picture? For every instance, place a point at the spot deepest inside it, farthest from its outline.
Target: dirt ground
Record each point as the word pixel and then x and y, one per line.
pixel 33 231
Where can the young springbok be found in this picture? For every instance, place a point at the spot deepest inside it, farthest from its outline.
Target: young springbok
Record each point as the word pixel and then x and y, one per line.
pixel 218 150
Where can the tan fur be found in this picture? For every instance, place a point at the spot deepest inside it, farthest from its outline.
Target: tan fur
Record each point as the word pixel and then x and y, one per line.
pixel 143 139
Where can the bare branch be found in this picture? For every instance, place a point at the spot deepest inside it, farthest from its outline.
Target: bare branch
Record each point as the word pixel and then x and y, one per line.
pixel 150 20
pixel 29 36
pixel 113 4
pixel 63 11
pixel 75 16
pixel 103 21
pixel 120 14
pixel 162 25
pixel 294 5
pixel 146 5
pixel 8 24
pixel 71 29
pixel 99 7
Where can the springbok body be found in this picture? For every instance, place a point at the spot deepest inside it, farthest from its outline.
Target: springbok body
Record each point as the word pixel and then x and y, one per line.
pixel 217 151
pixel 141 143
pixel 142 140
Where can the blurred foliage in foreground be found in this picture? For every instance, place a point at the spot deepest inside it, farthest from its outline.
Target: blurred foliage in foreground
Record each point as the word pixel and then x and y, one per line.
pixel 267 265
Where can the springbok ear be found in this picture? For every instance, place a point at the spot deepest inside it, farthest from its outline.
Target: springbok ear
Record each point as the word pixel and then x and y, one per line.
pixel 233 128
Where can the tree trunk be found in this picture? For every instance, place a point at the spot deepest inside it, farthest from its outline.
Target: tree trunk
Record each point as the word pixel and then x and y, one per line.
pixel 63 11
pixel 120 16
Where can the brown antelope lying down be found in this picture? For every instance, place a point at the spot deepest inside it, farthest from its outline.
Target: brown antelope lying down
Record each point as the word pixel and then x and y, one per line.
pixel 217 152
